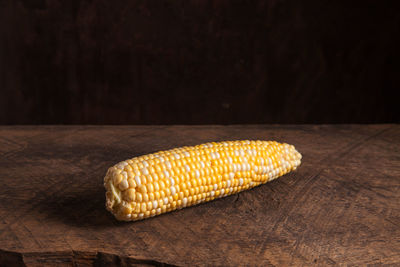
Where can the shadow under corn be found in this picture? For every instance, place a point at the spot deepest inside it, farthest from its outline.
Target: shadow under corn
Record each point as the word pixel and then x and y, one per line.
pixel 79 207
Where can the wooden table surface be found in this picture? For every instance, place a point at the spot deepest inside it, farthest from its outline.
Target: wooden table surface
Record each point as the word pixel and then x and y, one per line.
pixel 341 206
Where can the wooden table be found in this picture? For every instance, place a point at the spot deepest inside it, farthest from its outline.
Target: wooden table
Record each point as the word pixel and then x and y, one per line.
pixel 342 206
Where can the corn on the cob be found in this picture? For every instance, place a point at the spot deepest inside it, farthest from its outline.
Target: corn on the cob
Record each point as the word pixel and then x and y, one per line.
pixel 153 184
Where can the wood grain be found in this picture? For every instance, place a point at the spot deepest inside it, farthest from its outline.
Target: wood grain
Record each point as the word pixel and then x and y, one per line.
pixel 340 207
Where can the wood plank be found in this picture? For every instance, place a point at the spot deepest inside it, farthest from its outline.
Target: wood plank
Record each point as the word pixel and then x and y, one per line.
pixel 340 207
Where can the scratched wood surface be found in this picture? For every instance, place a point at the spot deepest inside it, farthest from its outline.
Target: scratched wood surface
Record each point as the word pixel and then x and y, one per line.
pixel 342 206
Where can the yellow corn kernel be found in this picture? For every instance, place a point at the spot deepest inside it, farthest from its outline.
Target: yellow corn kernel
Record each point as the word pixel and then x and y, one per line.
pixel 142 189
pixel 139 197
pixel 129 195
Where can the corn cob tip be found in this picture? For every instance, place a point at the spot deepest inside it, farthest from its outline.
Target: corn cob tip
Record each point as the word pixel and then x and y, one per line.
pixel 153 184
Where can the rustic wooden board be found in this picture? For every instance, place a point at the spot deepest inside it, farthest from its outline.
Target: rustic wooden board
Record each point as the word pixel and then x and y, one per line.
pixel 342 206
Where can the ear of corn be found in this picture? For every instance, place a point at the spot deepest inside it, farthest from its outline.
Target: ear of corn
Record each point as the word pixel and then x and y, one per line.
pixel 153 184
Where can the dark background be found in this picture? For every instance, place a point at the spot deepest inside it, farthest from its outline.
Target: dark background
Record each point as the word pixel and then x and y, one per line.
pixel 203 61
